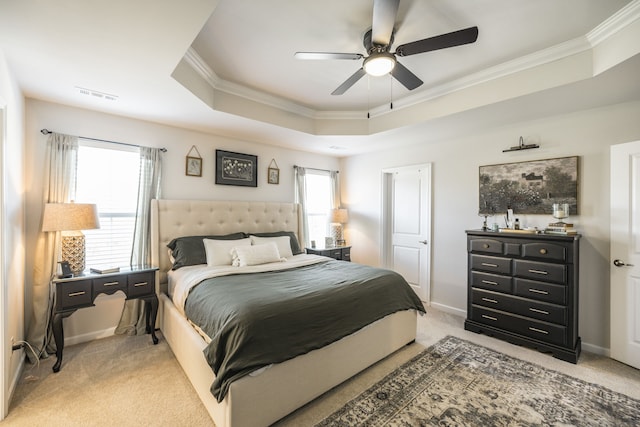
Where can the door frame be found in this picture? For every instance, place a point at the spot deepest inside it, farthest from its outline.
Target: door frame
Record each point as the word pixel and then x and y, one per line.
pixel 386 217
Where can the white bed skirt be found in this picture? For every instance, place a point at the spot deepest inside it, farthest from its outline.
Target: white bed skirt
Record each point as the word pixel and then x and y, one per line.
pixel 263 399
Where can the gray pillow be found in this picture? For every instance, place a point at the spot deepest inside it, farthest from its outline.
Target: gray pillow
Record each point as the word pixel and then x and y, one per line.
pixel 293 241
pixel 189 250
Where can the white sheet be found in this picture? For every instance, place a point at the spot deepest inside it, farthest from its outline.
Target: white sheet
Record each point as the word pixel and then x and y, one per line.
pixel 182 280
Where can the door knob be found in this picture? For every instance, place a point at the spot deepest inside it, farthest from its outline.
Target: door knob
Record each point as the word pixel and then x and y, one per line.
pixel 424 242
pixel 619 263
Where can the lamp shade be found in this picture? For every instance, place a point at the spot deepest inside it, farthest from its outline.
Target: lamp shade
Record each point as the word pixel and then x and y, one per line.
pixel 70 217
pixel 340 216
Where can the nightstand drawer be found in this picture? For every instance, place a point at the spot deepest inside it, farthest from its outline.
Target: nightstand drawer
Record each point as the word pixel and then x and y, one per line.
pixel 140 284
pixel 73 294
pixel 109 285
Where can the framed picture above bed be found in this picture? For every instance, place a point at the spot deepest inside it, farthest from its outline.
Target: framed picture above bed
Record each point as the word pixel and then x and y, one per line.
pixel 236 169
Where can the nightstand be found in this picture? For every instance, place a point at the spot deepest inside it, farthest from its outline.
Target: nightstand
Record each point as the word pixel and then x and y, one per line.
pixel 81 291
pixel 342 253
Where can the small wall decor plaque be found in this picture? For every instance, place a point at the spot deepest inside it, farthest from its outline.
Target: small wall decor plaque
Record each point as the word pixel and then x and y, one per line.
pixel 193 163
pixel 273 173
pixel 236 169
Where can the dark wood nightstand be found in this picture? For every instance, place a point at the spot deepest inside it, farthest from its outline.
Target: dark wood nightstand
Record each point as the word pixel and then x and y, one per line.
pixel 342 253
pixel 81 291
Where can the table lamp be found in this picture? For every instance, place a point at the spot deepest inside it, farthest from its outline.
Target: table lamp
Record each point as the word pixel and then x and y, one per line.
pixel 70 218
pixel 338 217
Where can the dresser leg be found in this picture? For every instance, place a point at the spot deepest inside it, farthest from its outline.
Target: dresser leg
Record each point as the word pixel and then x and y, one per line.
pixel 151 309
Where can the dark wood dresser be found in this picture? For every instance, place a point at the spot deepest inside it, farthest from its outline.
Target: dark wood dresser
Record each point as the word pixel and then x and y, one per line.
pixel 523 288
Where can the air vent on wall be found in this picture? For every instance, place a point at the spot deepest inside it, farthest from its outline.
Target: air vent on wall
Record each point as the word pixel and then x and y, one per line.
pixel 97 94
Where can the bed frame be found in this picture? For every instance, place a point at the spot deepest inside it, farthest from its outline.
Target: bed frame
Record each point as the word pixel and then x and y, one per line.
pixel 265 398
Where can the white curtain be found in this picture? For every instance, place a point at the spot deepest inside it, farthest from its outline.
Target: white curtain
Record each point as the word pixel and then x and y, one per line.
pixel 301 197
pixel 132 321
pixel 335 189
pixel 59 185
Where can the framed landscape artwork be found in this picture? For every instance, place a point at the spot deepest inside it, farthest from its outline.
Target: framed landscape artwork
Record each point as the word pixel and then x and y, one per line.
pixel 529 187
pixel 236 169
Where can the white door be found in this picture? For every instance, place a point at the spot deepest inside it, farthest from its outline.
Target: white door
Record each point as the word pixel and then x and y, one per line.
pixel 625 253
pixel 407 225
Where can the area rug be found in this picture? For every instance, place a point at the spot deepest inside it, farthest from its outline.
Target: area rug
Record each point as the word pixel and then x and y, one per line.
pixel 458 383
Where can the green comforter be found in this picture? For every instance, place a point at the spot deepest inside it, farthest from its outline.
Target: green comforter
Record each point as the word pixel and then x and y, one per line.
pixel 258 319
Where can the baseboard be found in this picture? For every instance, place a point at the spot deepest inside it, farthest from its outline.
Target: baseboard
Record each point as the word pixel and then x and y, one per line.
pixel 93 335
pixel 16 377
pixel 448 309
pixel 591 348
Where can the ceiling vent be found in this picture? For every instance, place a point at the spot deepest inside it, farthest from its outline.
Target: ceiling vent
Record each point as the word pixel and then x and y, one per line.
pixel 96 94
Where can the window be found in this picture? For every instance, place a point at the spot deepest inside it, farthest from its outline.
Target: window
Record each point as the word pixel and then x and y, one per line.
pixel 109 178
pixel 318 205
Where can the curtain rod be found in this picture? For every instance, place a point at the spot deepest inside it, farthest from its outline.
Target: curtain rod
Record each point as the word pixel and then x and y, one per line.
pixel 315 169
pixel 47 132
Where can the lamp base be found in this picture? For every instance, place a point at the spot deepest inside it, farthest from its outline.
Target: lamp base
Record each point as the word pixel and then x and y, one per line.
pixel 336 233
pixel 73 249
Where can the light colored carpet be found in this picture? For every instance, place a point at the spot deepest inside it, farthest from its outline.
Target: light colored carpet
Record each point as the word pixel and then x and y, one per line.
pixel 127 381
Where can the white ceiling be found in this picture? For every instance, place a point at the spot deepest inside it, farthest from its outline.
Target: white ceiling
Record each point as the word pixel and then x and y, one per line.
pixel 256 90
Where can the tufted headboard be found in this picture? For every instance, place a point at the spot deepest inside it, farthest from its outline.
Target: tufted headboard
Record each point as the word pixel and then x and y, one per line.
pixel 177 218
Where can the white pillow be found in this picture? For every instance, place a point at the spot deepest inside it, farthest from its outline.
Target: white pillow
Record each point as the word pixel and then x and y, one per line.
pixel 255 255
pixel 219 251
pixel 282 242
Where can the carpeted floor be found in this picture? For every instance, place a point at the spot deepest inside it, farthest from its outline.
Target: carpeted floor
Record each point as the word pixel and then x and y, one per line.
pixel 126 381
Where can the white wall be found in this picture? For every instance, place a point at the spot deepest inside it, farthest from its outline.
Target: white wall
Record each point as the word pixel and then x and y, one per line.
pixel 12 214
pixel 587 134
pixel 99 321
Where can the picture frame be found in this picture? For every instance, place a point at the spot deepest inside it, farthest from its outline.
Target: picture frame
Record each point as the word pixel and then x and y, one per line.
pixel 193 166
pixel 273 173
pixel 530 187
pixel 236 169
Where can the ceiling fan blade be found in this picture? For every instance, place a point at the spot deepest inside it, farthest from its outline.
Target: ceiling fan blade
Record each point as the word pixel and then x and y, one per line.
pixel 406 77
pixel 443 41
pixel 384 19
pixel 327 55
pixel 349 82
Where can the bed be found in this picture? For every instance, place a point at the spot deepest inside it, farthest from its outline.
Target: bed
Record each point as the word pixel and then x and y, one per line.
pixel 262 399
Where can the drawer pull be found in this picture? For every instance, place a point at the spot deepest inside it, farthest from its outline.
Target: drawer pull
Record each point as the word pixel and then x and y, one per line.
pixel 77 294
pixel 486 246
pixel 489 317
pixel 538 291
pixel 110 284
pixel 490 300
pixel 543 251
pixel 140 284
pixel 538 330
pixel 489 282
pixel 538 272
pixel 535 310
pixel 486 264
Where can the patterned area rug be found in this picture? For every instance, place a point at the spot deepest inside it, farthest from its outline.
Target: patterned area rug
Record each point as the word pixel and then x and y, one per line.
pixel 457 383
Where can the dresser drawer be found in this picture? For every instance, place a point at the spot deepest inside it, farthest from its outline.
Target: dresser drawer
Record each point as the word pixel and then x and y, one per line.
pixel 140 284
pixel 73 294
pixel 540 291
pixel 491 264
pixel 556 273
pixel 548 251
pixel 486 245
pixel 537 310
pixel 493 282
pixel 110 284
pixel 542 331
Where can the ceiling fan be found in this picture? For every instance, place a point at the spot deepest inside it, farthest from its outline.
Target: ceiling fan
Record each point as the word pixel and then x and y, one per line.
pixel 377 42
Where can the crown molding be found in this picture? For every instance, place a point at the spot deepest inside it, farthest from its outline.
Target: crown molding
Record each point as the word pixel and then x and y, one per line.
pixel 605 30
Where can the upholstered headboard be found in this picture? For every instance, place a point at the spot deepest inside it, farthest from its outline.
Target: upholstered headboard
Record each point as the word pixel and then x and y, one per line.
pixel 178 218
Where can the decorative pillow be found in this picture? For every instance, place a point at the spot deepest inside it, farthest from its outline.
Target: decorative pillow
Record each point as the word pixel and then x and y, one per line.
pixel 219 251
pixel 282 242
pixel 295 245
pixel 189 250
pixel 255 255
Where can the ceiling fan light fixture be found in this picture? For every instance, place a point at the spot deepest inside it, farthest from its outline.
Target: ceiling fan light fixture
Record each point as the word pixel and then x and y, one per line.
pixel 379 64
